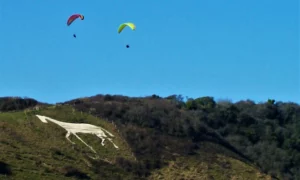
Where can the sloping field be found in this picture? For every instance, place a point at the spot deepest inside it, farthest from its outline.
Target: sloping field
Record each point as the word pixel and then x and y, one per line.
pixel 34 150
pixel 208 165
pixel 36 147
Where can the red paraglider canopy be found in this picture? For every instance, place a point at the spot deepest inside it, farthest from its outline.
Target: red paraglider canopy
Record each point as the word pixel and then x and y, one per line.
pixel 73 18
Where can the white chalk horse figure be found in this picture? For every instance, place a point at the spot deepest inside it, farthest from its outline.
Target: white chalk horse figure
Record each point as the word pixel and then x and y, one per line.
pixel 73 128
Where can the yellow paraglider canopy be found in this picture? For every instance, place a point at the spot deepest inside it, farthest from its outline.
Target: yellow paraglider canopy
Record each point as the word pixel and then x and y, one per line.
pixel 122 26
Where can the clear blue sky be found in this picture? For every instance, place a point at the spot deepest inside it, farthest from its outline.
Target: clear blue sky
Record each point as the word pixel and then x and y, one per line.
pixel 235 49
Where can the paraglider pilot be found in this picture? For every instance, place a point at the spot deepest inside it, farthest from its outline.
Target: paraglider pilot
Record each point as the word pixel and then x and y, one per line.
pixel 74 35
pixel 127 46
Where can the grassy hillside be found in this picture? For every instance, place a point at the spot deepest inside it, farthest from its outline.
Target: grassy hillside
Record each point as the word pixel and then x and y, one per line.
pixel 208 165
pixel 159 138
pixel 35 150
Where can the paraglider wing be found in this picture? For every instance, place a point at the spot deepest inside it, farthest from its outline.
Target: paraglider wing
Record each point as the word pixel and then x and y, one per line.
pixel 73 18
pixel 122 26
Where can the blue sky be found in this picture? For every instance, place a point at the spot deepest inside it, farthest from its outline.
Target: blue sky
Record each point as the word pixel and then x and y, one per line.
pixel 226 49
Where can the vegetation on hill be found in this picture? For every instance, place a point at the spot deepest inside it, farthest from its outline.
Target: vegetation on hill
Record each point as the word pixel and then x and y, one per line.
pixel 32 150
pixel 16 103
pixel 169 137
pixel 267 134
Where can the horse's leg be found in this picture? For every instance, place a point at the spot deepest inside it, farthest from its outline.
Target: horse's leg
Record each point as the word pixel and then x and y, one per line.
pixel 102 142
pixel 68 135
pixel 84 143
pixel 107 132
pixel 113 143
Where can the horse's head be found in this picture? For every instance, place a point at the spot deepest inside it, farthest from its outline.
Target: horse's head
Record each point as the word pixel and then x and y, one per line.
pixel 42 118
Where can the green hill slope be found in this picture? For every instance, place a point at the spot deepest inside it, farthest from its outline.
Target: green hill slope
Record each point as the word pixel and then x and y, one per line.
pixel 207 164
pixel 158 138
pixel 31 149
pixel 35 150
